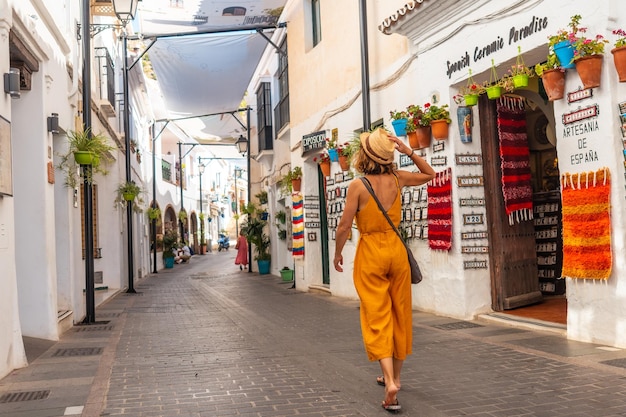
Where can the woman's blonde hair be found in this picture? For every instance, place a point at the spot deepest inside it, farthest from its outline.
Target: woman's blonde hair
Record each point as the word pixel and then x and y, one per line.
pixel 365 165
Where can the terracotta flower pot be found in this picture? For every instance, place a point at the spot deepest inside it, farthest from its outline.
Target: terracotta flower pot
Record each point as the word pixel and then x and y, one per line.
pixel 325 167
pixel 344 163
pixel 619 58
pixel 439 129
pixel 589 70
pixel 296 184
pixel 554 83
pixel 420 138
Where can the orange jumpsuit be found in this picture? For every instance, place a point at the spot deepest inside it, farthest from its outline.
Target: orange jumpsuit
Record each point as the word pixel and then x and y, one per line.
pixel 382 278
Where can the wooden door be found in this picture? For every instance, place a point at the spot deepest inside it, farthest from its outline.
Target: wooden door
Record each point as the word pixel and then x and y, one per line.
pixel 512 255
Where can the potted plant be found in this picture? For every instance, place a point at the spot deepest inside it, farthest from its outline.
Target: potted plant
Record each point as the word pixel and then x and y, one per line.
pixel 169 246
pixel 344 160
pixel 399 121
pixel 417 127
pixel 562 43
pixel 254 231
pixel 84 149
pixel 588 58
pixel 262 196
pixel 292 181
pixel 154 213
pixel 552 76
pixel 323 160
pixel 128 191
pixel 182 215
pixel 439 117
pixel 519 72
pixel 619 54
pixel 331 148
pixel 470 92
pixel 495 87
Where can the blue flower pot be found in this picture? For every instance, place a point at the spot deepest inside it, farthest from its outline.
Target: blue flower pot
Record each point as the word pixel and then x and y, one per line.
pixel 264 267
pixel 333 155
pixel 399 126
pixel 169 262
pixel 565 52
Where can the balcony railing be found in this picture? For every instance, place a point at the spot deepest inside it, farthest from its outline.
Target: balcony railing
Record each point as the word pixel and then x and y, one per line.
pixel 166 171
pixel 281 113
pixel 106 81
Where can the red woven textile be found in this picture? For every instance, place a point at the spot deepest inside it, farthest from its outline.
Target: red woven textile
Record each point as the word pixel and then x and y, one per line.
pixel 440 211
pixel 515 163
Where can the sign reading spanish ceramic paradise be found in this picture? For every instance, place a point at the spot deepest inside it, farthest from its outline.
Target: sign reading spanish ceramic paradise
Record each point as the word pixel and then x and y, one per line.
pixel 516 34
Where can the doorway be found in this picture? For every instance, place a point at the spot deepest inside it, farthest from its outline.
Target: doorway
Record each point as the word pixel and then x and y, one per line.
pixel 526 272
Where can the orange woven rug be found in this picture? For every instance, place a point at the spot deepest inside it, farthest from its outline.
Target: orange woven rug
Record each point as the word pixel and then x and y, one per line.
pixel 587 225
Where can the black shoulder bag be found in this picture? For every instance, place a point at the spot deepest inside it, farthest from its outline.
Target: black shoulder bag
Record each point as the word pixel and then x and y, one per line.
pixel 416 274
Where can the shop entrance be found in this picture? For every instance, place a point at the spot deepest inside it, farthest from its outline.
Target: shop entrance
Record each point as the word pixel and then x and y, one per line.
pixel 526 266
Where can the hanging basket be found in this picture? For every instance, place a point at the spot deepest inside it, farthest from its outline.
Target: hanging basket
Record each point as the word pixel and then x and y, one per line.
pixel 589 70
pixel 84 157
pixel 554 83
pixel 439 129
pixel 619 59
pixel 494 92
pixel 471 99
pixel 520 80
pixel 399 126
pixel 128 196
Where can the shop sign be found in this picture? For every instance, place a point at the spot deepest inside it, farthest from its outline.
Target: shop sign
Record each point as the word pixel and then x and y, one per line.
pixel 475 249
pixel 580 114
pixel 438 160
pixel 472 202
pixel 470 181
pixel 474 235
pixel 469 159
pixel 313 141
pixel 473 218
pixel 312 225
pixel 579 95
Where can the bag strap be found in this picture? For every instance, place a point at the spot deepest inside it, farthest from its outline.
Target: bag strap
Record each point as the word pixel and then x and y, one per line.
pixel 368 185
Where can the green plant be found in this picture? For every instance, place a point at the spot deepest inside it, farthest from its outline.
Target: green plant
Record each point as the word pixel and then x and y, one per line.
pixel 351 147
pixel 416 118
pixel 262 196
pixel 169 243
pixel 588 46
pixel 154 213
pixel 84 141
pixel 396 115
pixel 434 112
pixel 621 40
pixel 182 215
pixel 128 191
pixel 520 67
pixel 254 231
pixel 565 35
pixel 552 62
pixel 331 143
pixel 294 173
pixel 281 217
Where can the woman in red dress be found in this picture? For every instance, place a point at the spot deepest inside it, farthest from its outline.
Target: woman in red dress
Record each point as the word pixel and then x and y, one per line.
pixel 242 251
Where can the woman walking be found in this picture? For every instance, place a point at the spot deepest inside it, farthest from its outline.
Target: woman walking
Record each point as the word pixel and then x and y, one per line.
pixel 242 251
pixel 382 275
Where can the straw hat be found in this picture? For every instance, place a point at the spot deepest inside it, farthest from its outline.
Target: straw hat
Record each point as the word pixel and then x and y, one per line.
pixel 378 146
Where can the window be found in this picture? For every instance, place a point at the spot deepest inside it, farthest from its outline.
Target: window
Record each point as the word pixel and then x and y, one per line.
pixel 281 112
pixel 97 252
pixel 264 116
pixel 316 22
pixel 234 11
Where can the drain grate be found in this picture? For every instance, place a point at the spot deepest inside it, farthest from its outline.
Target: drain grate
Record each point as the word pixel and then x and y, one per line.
pixel 457 325
pixel 89 351
pixel 15 397
pixel 93 328
pixel 102 314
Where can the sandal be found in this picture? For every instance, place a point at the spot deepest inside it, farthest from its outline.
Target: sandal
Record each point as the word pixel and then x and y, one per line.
pixel 392 407
pixel 380 380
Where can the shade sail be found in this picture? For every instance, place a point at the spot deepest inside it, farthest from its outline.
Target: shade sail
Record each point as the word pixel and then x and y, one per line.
pixel 200 73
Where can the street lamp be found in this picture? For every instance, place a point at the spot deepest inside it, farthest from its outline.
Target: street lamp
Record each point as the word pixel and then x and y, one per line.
pixel 125 11
pixel 201 170
pixel 237 175
pixel 242 145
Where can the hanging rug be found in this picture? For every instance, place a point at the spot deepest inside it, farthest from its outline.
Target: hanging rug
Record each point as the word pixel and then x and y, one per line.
pixel 514 159
pixel 587 224
pixel 440 211
pixel 297 225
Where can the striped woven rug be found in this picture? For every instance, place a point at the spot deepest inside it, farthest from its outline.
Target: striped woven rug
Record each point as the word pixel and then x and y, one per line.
pixel 587 225
pixel 298 225
pixel 440 211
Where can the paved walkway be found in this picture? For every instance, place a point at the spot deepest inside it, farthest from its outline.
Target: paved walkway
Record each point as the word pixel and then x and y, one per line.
pixel 204 339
